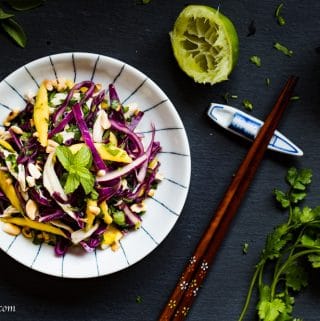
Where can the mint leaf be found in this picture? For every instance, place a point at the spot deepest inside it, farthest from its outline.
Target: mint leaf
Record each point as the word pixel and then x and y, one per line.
pixel 15 31
pixel 72 183
pixel 65 156
pixel 4 15
pixel 82 158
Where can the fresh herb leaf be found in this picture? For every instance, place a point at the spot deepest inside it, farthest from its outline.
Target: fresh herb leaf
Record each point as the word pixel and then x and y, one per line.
pixel 251 28
pixel 22 5
pixel 281 20
pixel 72 183
pixel 256 60
pixel 77 166
pixel 65 156
pixel 146 1
pixel 15 31
pixel 286 251
pixel 270 310
pixel 5 15
pixel 295 98
pixel 283 49
pixel 247 104
pixel 139 299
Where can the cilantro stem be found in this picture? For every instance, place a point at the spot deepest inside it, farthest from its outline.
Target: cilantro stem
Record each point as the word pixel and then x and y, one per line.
pixel 285 265
pixel 249 294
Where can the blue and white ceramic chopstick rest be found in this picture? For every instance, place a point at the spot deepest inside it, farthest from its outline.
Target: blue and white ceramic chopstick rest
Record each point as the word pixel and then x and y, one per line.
pixel 248 127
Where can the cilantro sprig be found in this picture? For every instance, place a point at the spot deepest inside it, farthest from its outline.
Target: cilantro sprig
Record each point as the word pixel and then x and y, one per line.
pixel 288 251
pixel 78 168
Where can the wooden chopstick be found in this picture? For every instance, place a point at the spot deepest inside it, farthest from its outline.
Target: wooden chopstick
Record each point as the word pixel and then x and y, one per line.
pixel 196 269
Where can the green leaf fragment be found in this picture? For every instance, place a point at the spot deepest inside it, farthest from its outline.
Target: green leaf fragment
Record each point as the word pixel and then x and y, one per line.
pixel 5 15
pixel 72 183
pixel 83 157
pixel 295 98
pixel 247 104
pixel 296 277
pixel 270 310
pixel 15 31
pixel 256 60
pixel 283 49
pixel 22 5
pixel 119 218
pixel 65 156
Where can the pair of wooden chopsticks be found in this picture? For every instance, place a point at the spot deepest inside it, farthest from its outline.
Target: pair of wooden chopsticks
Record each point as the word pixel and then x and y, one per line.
pixel 197 267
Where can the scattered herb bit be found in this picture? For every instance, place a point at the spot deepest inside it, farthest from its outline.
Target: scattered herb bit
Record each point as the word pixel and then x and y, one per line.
pixel 268 82
pixel 247 104
pixel 227 95
pixel 283 49
pixel 295 98
pixel 251 29
pixel 22 5
pixel 77 165
pixel 280 19
pixel 15 31
pixel 245 248
pixel 139 299
pixel 289 252
pixel 256 60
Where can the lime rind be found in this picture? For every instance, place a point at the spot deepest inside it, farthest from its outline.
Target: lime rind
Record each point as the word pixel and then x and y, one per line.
pixel 205 44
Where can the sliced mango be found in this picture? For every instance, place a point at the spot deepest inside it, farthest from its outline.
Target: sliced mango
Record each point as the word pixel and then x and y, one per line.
pixel 21 221
pixel 107 152
pixel 105 212
pixel 90 215
pixel 41 115
pixel 7 187
pixel 6 145
pixel 111 235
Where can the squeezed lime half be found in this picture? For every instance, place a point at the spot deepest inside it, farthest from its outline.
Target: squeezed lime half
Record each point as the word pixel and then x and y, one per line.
pixel 205 44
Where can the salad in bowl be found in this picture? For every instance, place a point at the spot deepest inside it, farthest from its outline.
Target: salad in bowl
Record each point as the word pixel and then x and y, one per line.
pixel 73 171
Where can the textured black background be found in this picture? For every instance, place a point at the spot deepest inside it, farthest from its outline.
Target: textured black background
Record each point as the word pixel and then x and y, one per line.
pixel 138 35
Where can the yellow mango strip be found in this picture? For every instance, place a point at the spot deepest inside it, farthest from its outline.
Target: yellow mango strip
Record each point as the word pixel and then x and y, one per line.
pixel 111 235
pixel 105 212
pixel 21 221
pixel 41 115
pixel 107 152
pixel 69 83
pixel 90 215
pixel 6 145
pixel 8 189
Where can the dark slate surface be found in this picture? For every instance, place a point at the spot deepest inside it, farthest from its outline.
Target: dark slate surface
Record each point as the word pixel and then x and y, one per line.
pixel 138 35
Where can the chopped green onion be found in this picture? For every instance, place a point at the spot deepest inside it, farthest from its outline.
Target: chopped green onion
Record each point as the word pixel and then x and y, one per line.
pixel 268 82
